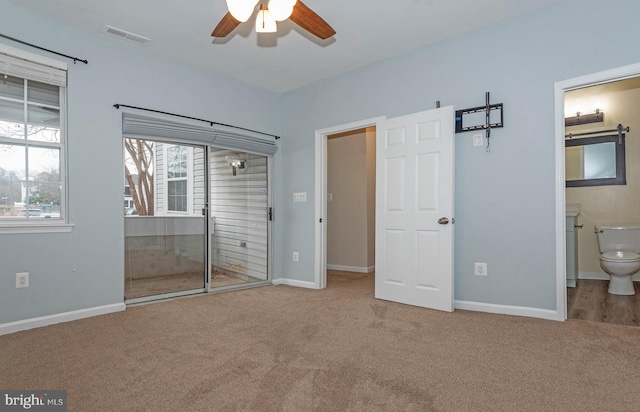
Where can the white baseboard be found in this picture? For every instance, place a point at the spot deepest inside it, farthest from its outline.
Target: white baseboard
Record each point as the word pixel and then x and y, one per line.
pixel 27 324
pixel 508 310
pixel 293 282
pixel 602 276
pixel 357 269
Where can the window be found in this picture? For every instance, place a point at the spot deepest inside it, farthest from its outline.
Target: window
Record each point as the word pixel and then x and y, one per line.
pixel 32 139
pixel 177 167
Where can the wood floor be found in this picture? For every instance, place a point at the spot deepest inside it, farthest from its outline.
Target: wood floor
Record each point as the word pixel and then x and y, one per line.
pixel 589 300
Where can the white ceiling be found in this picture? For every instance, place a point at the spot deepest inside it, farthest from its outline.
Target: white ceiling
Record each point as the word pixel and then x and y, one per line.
pixel 367 31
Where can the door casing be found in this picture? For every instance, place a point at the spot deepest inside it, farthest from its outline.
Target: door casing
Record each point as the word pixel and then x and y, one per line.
pixel 320 259
pixel 593 79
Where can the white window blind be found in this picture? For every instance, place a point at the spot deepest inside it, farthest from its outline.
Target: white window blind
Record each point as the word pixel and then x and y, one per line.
pixel 32 68
pixel 146 127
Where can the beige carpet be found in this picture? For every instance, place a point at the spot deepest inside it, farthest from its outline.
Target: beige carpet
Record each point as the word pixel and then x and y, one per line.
pixel 289 349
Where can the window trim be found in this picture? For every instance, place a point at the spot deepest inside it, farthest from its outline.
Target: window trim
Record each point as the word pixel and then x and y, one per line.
pixel 61 225
pixel 188 179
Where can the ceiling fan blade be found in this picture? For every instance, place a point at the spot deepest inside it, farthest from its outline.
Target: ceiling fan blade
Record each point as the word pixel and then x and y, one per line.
pixel 226 26
pixel 306 18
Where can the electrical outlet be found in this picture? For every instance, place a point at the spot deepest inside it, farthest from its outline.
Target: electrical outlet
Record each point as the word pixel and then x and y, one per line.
pixel 22 280
pixel 243 244
pixel 296 256
pixel 480 269
pixel 329 197
pixel 477 140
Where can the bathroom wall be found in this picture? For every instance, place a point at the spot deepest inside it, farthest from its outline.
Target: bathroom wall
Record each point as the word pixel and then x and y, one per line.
pixel 612 205
pixel 348 212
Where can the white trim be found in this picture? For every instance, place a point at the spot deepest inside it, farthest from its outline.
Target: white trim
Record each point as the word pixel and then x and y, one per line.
pixel 189 179
pixel 320 256
pixel 602 276
pixel 561 219
pixel 560 88
pixel 357 269
pixel 36 229
pixel 509 310
pixel 36 58
pixel 27 324
pixel 293 282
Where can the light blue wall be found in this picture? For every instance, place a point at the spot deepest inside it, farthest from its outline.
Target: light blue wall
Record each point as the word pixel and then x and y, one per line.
pixel 84 268
pixel 504 200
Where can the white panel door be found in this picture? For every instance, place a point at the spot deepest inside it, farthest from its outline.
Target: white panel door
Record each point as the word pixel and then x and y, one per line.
pixel 414 209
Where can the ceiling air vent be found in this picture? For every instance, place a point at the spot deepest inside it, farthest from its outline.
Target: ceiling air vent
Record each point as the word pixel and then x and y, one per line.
pixel 126 35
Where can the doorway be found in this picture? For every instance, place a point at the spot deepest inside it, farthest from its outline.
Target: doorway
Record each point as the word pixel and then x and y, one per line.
pixel 322 198
pixel 602 155
pixel 562 90
pixel 351 186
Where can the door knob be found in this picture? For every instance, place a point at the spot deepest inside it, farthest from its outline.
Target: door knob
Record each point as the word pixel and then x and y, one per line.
pixel 443 220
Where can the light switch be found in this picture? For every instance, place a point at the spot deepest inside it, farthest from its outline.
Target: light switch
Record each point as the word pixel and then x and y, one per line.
pixel 329 197
pixel 300 197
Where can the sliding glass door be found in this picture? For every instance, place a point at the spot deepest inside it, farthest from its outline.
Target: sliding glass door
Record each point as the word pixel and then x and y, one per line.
pixel 165 225
pixel 196 219
pixel 239 210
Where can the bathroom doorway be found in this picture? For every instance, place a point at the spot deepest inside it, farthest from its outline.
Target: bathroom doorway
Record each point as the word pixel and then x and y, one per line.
pixel 601 189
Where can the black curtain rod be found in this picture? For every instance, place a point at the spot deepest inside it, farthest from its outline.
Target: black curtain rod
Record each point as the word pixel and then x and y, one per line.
pixel 211 123
pixel 75 59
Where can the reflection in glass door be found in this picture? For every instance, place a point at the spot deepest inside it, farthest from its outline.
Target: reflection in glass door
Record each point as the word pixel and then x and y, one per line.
pixel 165 227
pixel 239 210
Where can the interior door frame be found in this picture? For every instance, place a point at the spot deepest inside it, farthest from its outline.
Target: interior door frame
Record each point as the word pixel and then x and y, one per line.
pixel 321 137
pixel 593 79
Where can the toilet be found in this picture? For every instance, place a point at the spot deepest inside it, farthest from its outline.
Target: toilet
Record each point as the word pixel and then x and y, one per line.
pixel 619 256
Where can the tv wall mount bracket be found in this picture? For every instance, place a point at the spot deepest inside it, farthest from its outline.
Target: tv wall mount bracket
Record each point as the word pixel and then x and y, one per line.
pixel 487 125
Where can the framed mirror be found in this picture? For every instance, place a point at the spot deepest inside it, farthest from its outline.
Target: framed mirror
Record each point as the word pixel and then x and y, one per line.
pixel 595 161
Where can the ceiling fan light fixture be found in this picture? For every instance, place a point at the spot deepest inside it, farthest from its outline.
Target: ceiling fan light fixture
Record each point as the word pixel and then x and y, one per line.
pixel 281 9
pixel 241 10
pixel 265 23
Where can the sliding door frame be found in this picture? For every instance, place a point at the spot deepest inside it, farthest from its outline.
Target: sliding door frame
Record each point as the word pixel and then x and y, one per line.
pixel 266 282
pixel 190 132
pixel 206 264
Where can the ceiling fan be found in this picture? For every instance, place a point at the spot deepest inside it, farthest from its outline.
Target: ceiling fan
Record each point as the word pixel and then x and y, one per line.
pixel 276 10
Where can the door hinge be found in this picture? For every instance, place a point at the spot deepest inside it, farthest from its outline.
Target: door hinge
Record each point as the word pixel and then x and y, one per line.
pixel 270 213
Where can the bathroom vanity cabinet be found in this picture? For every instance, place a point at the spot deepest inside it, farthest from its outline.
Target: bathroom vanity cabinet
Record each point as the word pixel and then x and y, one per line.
pixel 572 245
